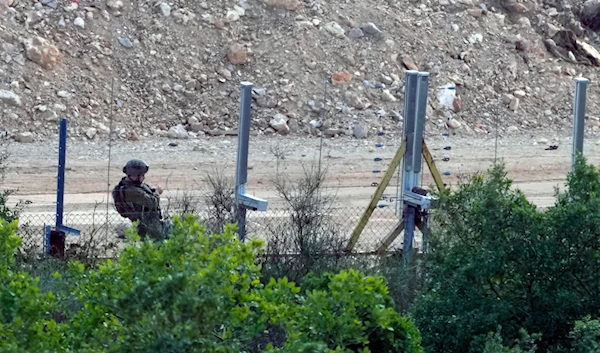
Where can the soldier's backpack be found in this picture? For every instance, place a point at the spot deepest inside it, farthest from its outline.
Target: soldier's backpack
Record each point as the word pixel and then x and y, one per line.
pixel 122 207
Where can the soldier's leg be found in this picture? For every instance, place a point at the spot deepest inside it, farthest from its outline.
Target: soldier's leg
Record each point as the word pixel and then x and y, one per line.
pixel 142 230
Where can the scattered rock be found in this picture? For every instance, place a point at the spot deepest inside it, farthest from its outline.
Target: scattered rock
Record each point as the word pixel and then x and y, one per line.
pixel 49 116
pixel 387 96
pixel 126 42
pixel 551 30
pixel 353 100
pixel 291 5
pixel 42 53
pixel 371 30
pixel 10 98
pixel 293 125
pixel 519 94
pixel 543 141
pixel 514 104
pixel 79 22
pixel 476 38
pixel 266 102
pixel 512 128
pixel 178 132
pixel 513 6
pixel 457 104
pixel 359 131
pixel 234 15
pixel 50 3
pixel 355 33
pixel 24 137
pixel 279 123
pixel 477 13
pixel 64 94
pixel 196 127
pixel 340 78
pixel 452 124
pixel 315 106
pixel 524 45
pixel 507 98
pixel 237 54
pixel 332 132
pixel 224 72
pixel 91 133
pixel 165 9
pixel 115 4
pixel 334 28
pixel 133 136
pixel 409 62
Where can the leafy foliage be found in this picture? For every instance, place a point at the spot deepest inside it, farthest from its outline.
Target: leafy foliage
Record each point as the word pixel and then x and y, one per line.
pixel 498 260
pixel 25 322
pixel 353 314
pixel 194 293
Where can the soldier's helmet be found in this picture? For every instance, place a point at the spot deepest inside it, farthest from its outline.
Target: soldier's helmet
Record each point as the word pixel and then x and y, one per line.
pixel 135 167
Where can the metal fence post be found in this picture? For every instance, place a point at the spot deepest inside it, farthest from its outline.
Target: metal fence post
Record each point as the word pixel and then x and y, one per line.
pixel 55 239
pixel 415 105
pixel 410 99
pixel 579 118
pixel 242 157
pixel 62 156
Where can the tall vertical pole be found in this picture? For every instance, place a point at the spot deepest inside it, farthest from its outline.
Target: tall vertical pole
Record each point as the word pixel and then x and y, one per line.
pixel 60 188
pixel 420 116
pixel 410 99
pixel 415 113
pixel 242 157
pixel 578 117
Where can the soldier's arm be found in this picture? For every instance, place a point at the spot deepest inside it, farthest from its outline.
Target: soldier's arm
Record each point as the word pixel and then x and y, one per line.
pixel 140 197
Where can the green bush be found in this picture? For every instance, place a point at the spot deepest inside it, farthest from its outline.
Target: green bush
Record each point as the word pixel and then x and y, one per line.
pixel 498 260
pixel 194 293
pixel 354 312
pixel 25 321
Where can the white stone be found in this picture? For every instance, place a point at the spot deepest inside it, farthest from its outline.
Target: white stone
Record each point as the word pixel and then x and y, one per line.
pixel 10 98
pixel 178 132
pixel 79 22
pixel 279 123
pixel 165 9
pixel 91 133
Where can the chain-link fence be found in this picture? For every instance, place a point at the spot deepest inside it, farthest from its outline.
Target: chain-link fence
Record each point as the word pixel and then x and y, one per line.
pixel 104 231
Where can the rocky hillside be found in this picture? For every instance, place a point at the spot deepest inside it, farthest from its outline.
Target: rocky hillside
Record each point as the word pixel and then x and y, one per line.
pixel 334 67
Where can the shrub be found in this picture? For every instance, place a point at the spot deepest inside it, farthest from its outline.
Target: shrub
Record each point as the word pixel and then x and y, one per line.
pixel 193 293
pixel 189 294
pixel 25 321
pixel 351 312
pixel 497 260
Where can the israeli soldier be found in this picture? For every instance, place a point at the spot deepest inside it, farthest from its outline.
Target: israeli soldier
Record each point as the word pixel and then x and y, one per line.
pixel 137 201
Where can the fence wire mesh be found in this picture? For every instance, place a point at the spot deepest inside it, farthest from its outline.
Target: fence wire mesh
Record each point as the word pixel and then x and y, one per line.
pixel 277 227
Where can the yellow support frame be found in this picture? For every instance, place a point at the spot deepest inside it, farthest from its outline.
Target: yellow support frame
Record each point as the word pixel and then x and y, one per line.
pixel 378 193
pixel 362 223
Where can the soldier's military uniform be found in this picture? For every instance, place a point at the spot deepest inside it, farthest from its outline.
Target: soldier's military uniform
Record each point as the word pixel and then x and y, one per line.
pixel 140 202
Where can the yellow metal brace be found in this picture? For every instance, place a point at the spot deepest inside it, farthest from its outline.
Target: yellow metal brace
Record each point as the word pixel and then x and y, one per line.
pixel 378 193
pixel 437 177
